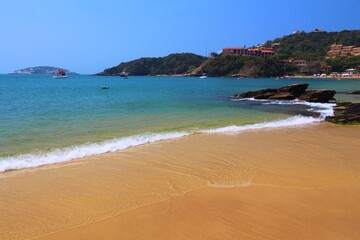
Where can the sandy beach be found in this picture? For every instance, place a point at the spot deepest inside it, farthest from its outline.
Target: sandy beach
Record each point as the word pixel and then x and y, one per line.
pixel 285 183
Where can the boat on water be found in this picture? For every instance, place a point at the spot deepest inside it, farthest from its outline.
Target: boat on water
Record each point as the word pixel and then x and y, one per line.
pixel 124 75
pixel 60 74
pixel 202 77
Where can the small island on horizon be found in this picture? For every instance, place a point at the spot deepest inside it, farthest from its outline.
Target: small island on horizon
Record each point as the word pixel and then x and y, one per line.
pixel 42 70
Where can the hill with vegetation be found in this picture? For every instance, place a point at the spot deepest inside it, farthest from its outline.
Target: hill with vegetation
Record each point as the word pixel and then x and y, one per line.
pixel 312 47
pixel 233 65
pixel 41 70
pixel 170 65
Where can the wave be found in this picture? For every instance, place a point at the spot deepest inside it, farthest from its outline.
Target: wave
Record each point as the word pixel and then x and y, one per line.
pixel 324 109
pixel 80 151
pixel 292 121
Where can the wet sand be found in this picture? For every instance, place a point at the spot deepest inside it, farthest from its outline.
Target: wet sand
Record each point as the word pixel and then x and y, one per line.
pixel 289 183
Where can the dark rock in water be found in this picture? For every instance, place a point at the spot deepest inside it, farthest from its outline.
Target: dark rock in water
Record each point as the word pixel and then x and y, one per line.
pixel 346 113
pixel 261 94
pixel 295 89
pixel 355 92
pixel 283 96
pixel 323 96
pixel 289 92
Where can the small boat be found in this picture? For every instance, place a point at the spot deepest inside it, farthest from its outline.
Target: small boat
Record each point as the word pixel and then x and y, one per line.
pixel 202 77
pixel 60 74
pixel 124 74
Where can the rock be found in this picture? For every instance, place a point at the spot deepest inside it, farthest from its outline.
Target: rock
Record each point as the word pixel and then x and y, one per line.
pixel 346 113
pixel 283 96
pixel 289 92
pixel 323 95
pixel 355 92
pixel 295 89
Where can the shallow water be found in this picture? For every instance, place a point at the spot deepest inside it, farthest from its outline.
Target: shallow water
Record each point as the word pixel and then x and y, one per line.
pixel 45 120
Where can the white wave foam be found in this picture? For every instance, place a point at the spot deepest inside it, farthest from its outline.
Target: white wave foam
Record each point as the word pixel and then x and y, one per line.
pixel 70 153
pixel 292 121
pixel 325 109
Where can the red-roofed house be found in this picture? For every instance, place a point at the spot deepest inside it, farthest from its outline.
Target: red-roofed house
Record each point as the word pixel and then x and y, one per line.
pixel 299 63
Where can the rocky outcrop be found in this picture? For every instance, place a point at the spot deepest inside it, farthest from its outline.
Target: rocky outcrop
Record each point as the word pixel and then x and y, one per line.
pixel 346 113
pixel 291 92
pixel 355 92
pixel 261 94
pixel 323 96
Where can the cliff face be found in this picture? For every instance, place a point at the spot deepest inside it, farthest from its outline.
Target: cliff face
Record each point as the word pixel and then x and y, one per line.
pixel 41 70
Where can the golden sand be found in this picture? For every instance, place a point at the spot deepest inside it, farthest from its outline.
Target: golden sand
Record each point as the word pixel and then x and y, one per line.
pixel 290 183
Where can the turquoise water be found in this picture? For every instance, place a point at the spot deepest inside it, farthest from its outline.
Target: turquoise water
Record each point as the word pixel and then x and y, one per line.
pixel 41 115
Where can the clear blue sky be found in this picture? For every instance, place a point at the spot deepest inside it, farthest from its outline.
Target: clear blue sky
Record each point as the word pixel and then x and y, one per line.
pixel 89 36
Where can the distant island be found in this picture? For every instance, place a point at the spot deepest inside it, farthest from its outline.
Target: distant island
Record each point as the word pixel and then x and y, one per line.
pixel 41 70
pixel 298 54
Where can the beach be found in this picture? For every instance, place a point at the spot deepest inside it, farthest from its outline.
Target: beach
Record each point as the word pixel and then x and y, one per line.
pixel 283 183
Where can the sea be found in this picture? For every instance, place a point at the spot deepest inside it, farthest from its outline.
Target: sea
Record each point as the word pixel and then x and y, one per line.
pixel 45 120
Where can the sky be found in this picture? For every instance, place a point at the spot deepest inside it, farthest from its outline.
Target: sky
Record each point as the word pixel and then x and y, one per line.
pixel 89 36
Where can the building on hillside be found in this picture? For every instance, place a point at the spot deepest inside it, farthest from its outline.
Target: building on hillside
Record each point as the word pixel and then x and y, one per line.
pixel 250 52
pixel 317 30
pixel 346 51
pixel 339 50
pixel 235 51
pixel 300 63
pixel 356 51
pixel 275 46
pixel 350 71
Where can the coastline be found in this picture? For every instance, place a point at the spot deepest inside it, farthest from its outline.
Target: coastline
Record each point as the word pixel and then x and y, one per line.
pixel 203 186
pixel 355 77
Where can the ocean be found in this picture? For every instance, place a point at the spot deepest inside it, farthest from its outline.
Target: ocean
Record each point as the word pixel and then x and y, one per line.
pixel 45 120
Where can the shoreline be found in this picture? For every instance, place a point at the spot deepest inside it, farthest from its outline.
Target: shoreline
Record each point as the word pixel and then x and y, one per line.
pixel 107 194
pixel 58 155
pixel 325 77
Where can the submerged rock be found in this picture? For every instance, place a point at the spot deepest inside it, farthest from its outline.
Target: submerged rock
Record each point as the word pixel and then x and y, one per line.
pixel 323 95
pixel 346 113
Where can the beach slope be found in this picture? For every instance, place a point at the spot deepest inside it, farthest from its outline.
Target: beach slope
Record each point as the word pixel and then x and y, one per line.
pixel 289 183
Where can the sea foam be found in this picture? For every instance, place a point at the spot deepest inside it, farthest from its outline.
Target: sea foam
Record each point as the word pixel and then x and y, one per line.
pixel 80 151
pixel 74 152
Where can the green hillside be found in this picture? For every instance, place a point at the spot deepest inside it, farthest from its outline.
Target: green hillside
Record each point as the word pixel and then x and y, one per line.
pixel 172 64
pixel 313 45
